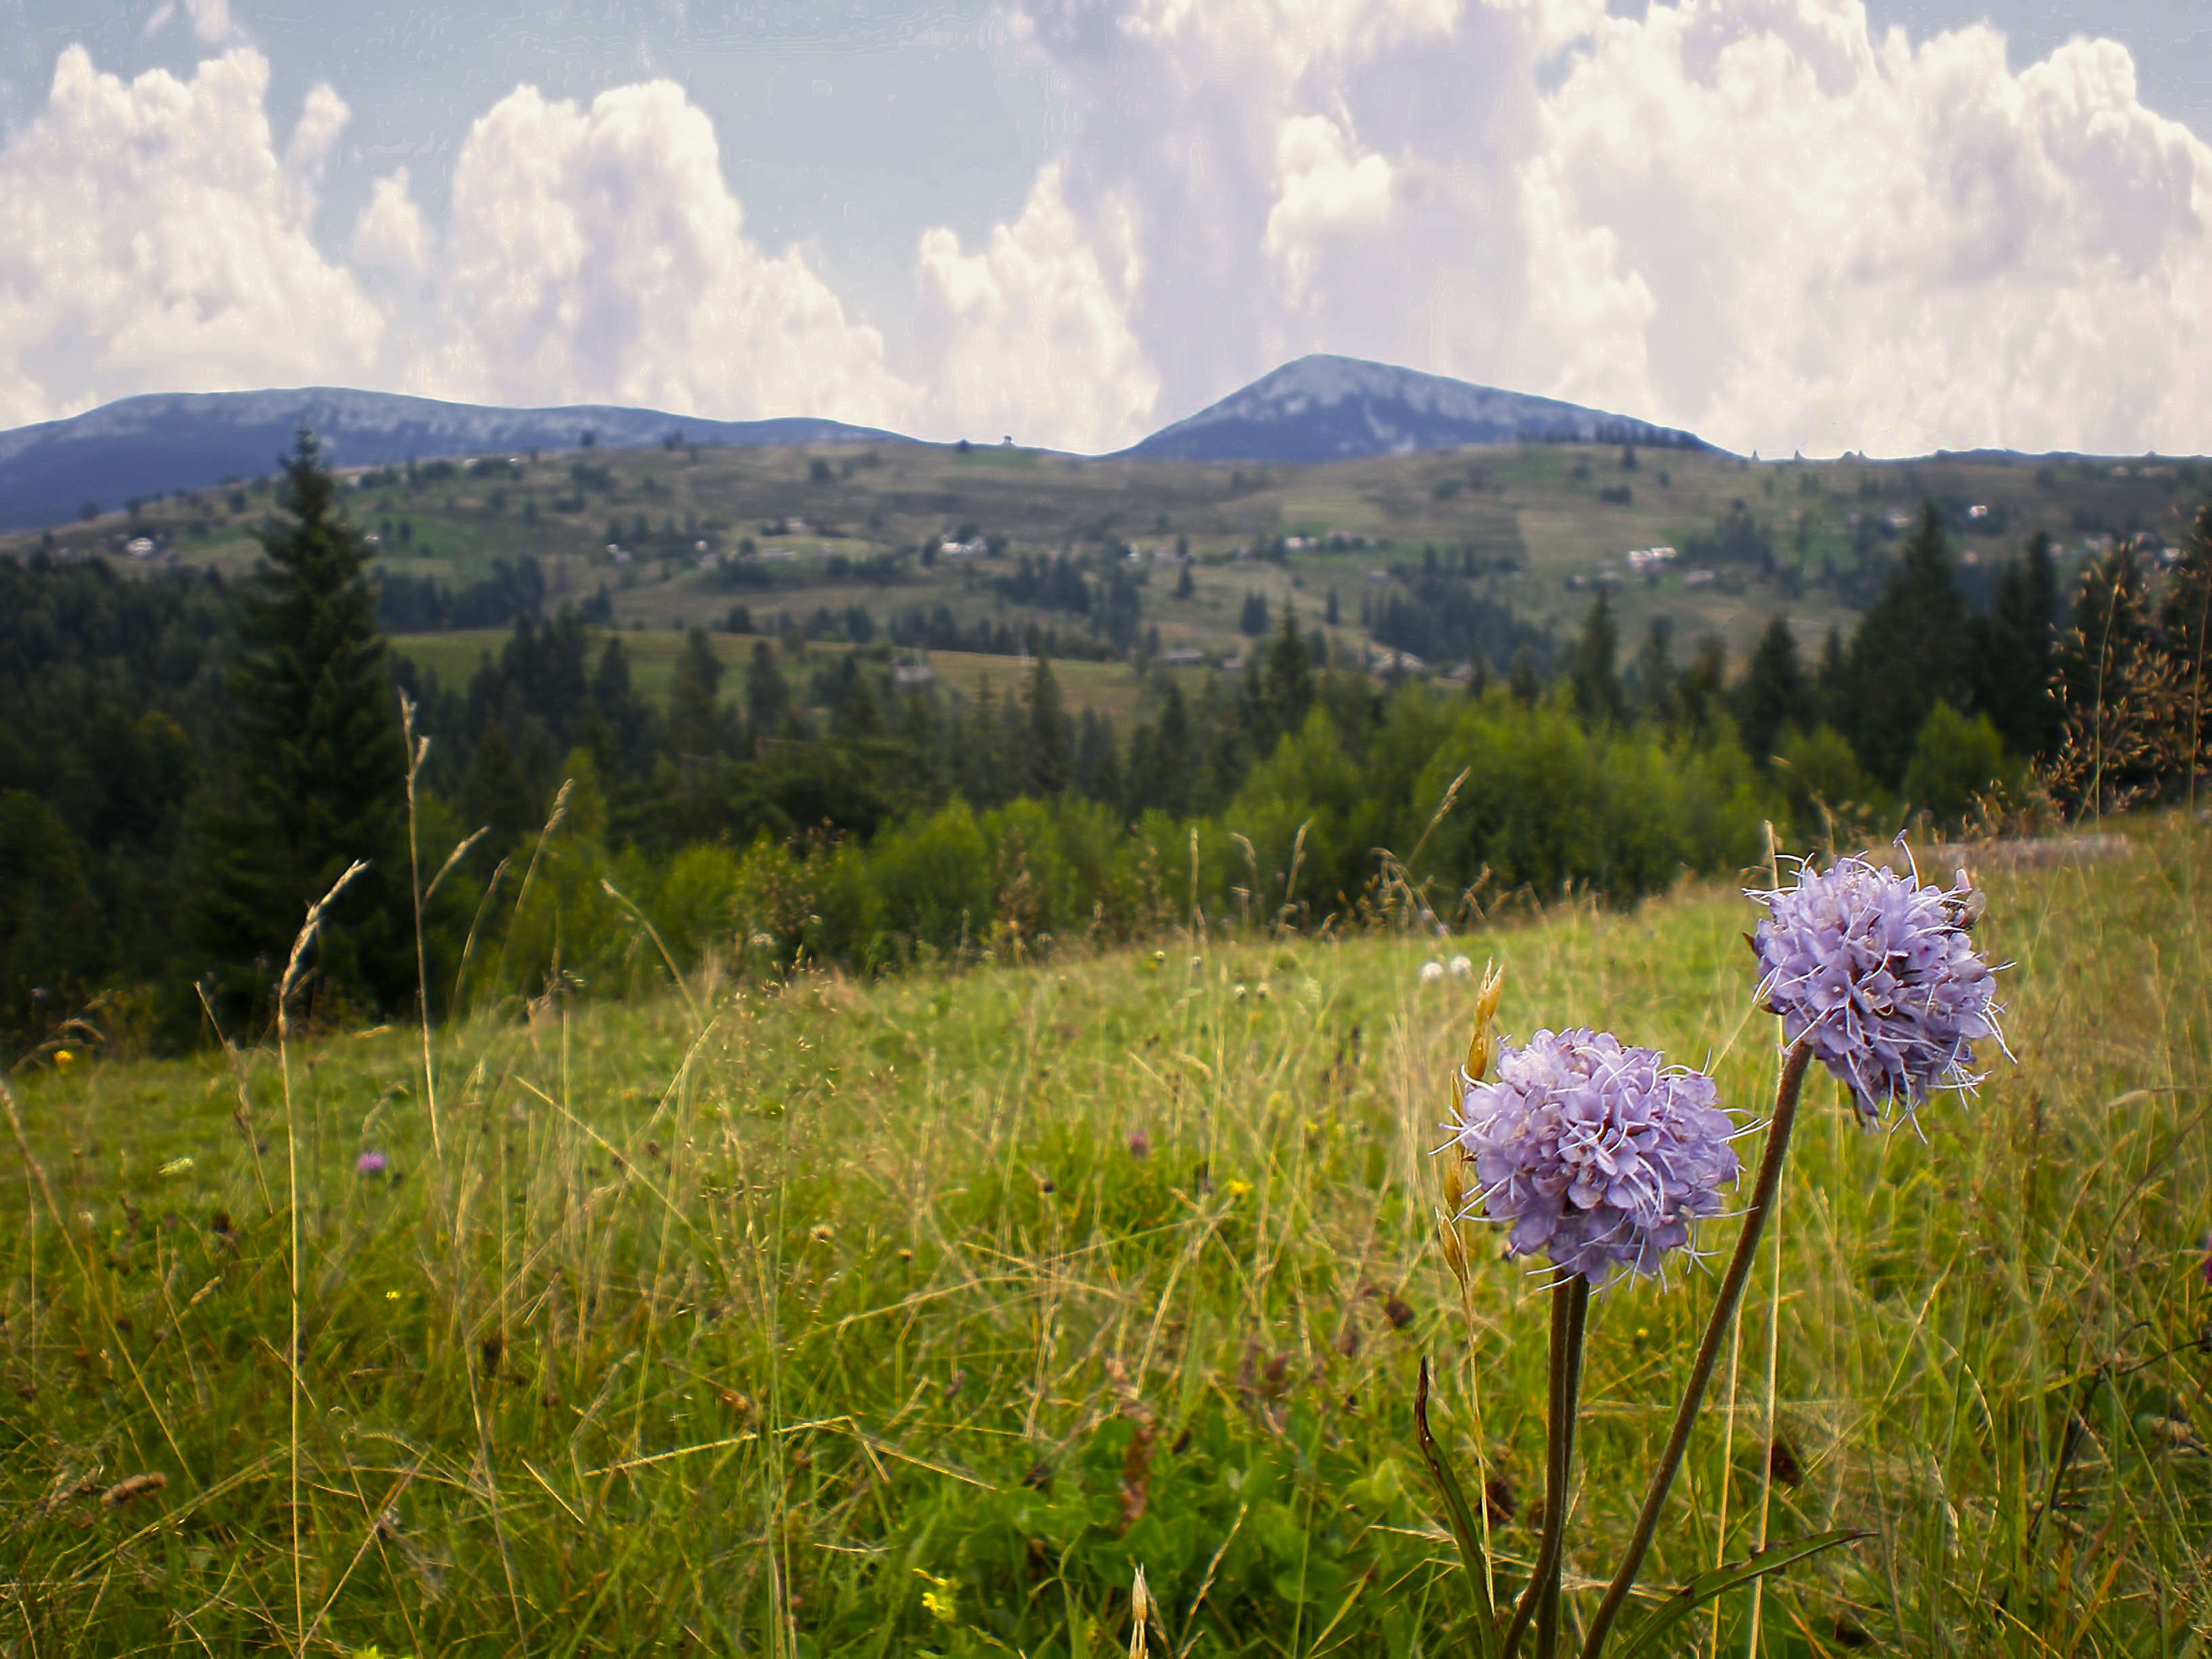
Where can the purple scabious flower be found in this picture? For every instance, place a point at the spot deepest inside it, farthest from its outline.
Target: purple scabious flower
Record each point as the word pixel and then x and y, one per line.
pixel 1597 1156
pixel 369 1163
pixel 1883 973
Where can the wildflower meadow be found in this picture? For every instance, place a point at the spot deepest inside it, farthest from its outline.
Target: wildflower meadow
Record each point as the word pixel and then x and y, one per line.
pixel 814 1314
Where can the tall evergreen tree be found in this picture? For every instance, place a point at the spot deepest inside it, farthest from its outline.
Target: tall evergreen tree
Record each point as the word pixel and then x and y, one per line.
pixel 1829 697
pixel 982 739
pixel 1701 691
pixel 628 717
pixel 1910 652
pixel 768 695
pixel 1285 686
pixel 1164 777
pixel 1097 767
pixel 698 725
pixel 1051 741
pixel 1774 694
pixel 854 713
pixel 2013 659
pixel 1595 687
pixel 315 768
pixel 495 793
pixel 1652 673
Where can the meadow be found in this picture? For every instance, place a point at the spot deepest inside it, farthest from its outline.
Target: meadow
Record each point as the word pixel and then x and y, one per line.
pixel 815 1315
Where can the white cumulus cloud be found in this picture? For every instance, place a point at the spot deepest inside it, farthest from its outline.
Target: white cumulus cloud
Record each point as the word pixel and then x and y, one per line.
pixel 1853 243
pixel 596 253
pixel 155 242
pixel 1032 336
pixel 1752 217
pixel 1755 218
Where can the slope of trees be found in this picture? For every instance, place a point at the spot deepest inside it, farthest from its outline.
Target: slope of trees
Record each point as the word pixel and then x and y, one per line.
pixel 189 764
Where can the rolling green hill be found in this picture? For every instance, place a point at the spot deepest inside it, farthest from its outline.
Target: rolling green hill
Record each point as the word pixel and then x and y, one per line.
pixel 677 537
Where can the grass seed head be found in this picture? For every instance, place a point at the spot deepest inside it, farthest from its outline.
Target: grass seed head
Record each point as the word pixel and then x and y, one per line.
pixel 1479 1048
pixel 135 1485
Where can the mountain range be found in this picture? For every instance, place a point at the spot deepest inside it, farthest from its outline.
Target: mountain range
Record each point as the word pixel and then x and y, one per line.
pixel 1316 408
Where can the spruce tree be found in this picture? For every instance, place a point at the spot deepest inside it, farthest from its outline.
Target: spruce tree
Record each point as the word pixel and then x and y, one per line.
pixel 1773 694
pixel 2012 663
pixel 1288 683
pixel 1701 691
pixel 1596 690
pixel 1910 652
pixel 1097 766
pixel 1174 756
pixel 768 695
pixel 1653 673
pixel 698 725
pixel 628 717
pixel 1051 743
pixel 313 774
pixel 983 769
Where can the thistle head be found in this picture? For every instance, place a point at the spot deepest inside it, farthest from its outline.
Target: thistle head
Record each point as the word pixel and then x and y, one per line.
pixel 1880 973
pixel 1597 1156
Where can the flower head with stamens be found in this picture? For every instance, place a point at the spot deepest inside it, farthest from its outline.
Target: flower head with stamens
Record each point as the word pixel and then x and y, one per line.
pixel 1881 973
pixel 1597 1156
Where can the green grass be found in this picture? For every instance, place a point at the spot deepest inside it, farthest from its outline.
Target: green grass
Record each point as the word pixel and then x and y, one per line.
pixel 840 1318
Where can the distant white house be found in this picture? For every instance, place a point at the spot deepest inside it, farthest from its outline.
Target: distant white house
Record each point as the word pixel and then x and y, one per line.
pixel 905 676
pixel 1650 558
pixel 139 547
pixel 1394 662
pixel 1182 656
pixel 974 548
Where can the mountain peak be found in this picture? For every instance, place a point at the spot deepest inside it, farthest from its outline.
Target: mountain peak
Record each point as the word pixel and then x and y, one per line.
pixel 1325 408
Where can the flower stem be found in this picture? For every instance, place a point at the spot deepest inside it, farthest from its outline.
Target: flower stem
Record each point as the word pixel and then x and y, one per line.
pixel 1540 1601
pixel 1716 1329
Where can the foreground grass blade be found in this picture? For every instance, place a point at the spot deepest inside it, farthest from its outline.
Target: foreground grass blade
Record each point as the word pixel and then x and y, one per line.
pixel 1475 1559
pixel 1644 1636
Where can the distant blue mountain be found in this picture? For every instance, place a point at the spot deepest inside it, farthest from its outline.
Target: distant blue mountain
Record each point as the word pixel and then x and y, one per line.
pixel 1317 409
pixel 1332 409
pixel 154 446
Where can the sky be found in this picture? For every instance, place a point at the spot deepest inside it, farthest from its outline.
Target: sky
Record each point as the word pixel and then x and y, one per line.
pixel 1788 225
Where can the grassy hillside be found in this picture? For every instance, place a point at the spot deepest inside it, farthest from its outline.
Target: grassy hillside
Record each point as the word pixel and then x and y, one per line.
pixel 910 1317
pixel 1540 525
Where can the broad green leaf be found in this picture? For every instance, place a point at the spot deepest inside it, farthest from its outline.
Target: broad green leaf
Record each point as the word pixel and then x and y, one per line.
pixel 1644 1636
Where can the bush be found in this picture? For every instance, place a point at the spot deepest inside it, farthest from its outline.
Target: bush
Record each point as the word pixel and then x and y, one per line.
pixel 1955 760
pixel 1820 776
